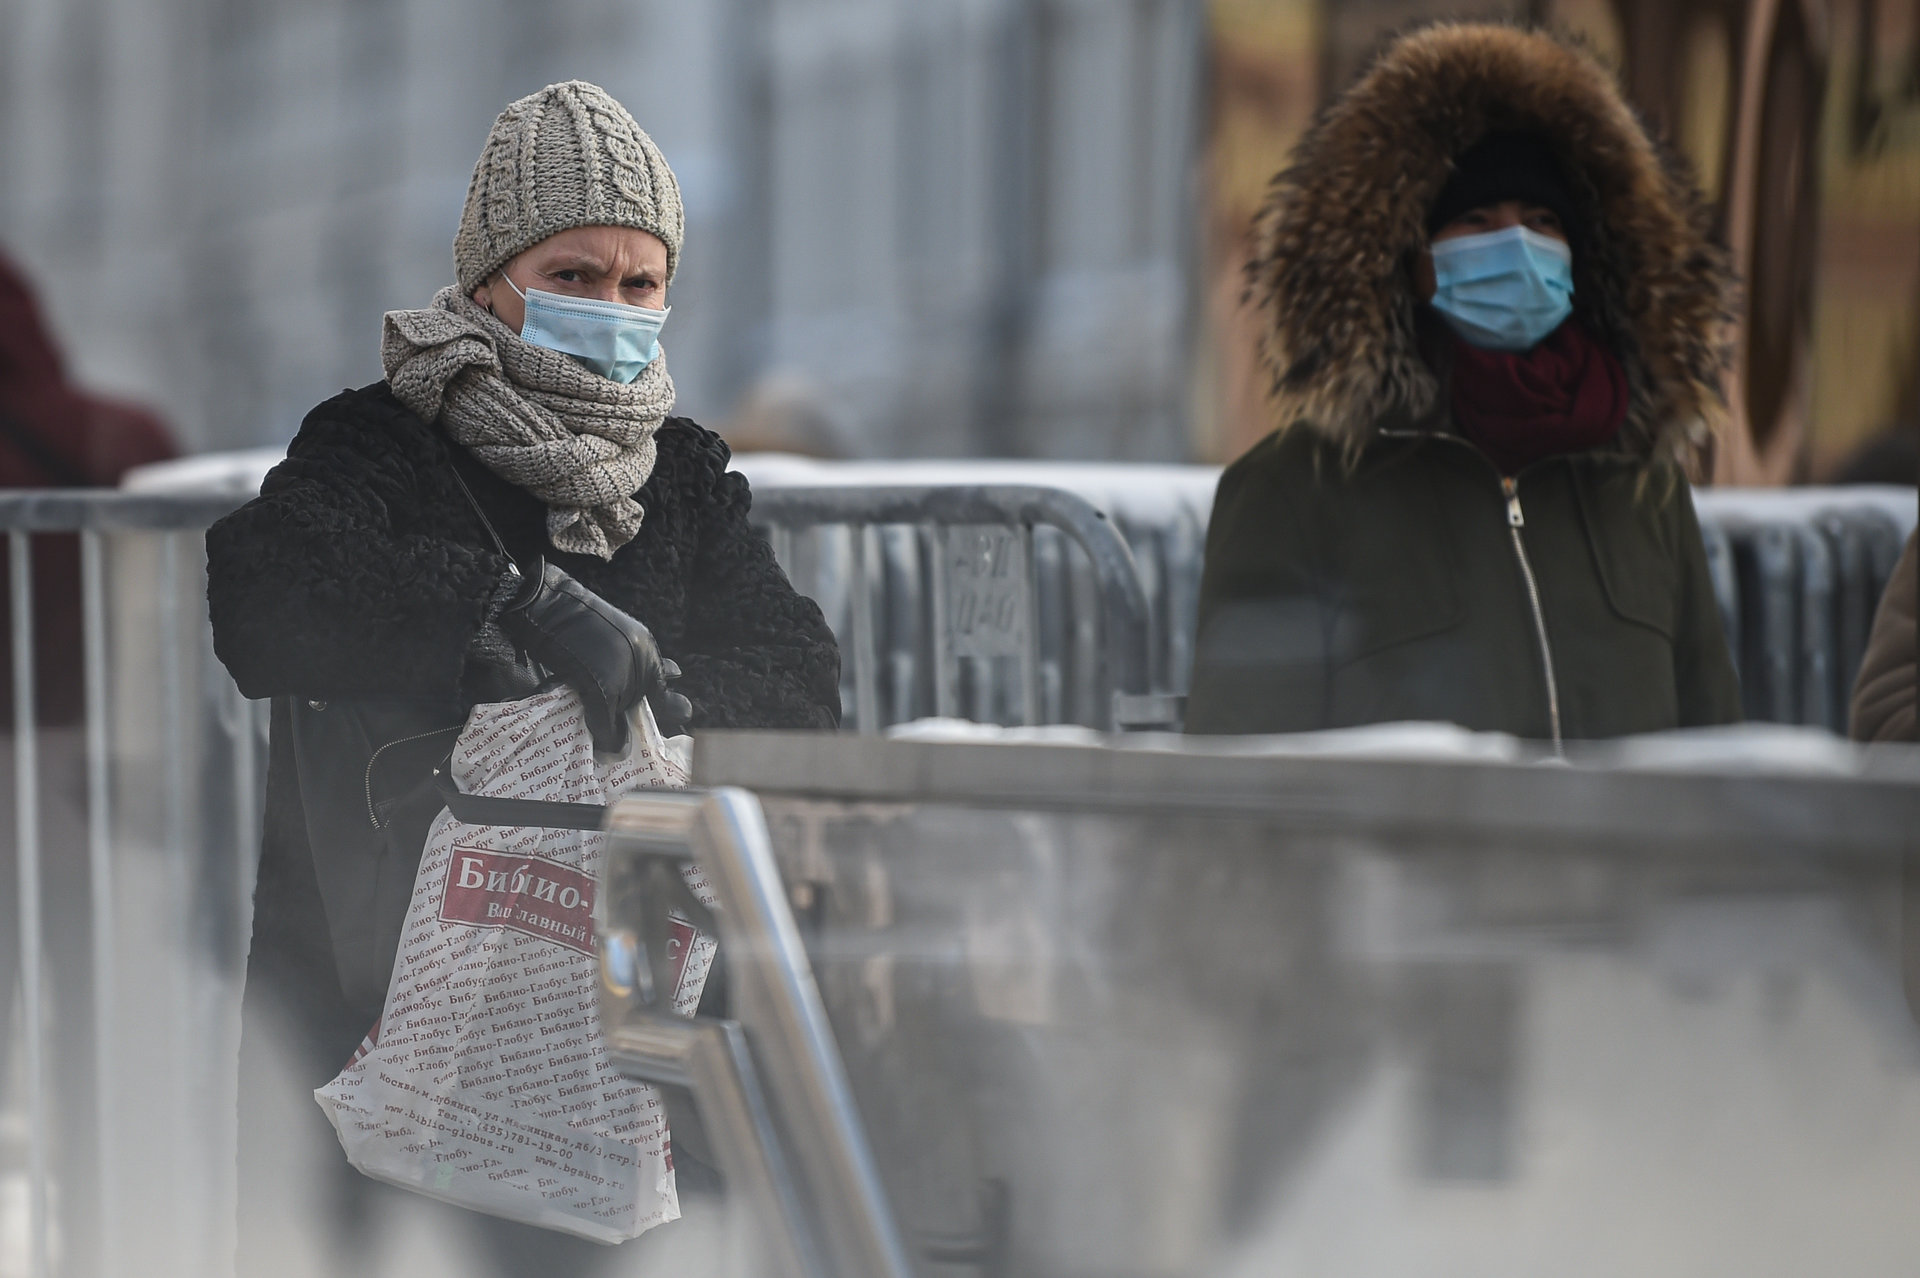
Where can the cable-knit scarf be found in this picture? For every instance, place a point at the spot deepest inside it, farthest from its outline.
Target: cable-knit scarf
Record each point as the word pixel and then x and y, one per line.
pixel 578 442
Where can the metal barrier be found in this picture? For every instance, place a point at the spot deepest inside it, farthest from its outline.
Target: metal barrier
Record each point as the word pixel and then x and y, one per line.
pixel 148 811
pixel 133 836
pixel 971 601
pixel 1187 1008
pixel 814 1198
pixel 133 832
pixel 1159 511
pixel 1797 574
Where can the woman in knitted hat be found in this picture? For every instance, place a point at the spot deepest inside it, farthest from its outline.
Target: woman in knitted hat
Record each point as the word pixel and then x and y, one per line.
pixel 514 498
pixel 1494 327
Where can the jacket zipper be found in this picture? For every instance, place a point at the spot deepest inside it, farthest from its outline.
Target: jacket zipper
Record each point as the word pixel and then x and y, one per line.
pixel 373 815
pixel 1516 520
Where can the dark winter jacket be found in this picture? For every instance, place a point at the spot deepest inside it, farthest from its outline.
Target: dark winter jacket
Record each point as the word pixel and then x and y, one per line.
pixel 351 591
pixel 1366 563
pixel 1397 591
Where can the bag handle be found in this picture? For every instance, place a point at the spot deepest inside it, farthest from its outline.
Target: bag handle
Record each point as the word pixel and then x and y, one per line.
pixel 546 814
pixel 480 809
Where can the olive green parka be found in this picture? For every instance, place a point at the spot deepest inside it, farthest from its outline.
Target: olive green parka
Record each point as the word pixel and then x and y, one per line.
pixel 1365 563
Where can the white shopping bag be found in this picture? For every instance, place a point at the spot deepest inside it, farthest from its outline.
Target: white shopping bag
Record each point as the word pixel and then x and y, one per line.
pixel 485 1083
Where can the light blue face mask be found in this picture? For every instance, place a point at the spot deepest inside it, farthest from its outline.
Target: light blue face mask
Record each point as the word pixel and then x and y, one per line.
pixel 1504 290
pixel 611 338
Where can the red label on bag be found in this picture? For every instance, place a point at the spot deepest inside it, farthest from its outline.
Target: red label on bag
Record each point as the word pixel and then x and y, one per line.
pixel 679 949
pixel 524 893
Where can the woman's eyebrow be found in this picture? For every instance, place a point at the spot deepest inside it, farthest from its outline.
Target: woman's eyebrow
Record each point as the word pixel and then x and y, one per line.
pixel 577 262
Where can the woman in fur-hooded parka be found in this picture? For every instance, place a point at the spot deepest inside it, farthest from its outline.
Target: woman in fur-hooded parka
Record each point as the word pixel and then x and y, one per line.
pixel 1369 560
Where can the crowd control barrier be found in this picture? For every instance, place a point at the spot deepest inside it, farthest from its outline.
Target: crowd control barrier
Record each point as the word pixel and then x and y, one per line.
pixel 132 830
pixel 1159 512
pixel 129 845
pixel 1797 574
pixel 1001 603
pixel 1348 1005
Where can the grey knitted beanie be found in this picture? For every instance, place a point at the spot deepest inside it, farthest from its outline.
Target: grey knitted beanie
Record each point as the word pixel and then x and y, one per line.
pixel 566 156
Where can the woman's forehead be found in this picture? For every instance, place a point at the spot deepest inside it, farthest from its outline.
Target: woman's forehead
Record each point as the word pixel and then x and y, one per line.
pixel 604 247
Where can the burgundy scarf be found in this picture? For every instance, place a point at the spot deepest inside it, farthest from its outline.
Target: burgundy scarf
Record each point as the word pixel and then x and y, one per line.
pixel 1565 395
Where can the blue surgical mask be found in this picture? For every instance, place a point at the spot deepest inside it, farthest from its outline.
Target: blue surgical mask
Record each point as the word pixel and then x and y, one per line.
pixel 611 338
pixel 1504 290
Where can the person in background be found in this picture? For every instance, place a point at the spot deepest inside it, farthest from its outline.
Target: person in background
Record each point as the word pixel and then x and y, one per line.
pixel 515 499
pixel 1495 327
pixel 1884 695
pixel 53 434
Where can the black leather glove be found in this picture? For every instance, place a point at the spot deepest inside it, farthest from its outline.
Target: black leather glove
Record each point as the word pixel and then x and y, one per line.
pixel 496 669
pixel 600 652
pixel 670 710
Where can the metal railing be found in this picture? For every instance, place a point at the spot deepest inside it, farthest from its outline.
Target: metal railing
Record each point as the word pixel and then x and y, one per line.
pixel 1797 574
pixel 973 597
pixel 149 809
pixel 814 1199
pixel 134 831
pixel 1183 1009
pixel 138 829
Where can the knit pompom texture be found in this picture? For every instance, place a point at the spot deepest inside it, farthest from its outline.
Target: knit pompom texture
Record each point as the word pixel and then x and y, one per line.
pixel 567 156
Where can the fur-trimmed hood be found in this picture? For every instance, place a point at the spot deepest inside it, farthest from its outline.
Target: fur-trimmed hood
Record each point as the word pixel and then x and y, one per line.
pixel 1335 242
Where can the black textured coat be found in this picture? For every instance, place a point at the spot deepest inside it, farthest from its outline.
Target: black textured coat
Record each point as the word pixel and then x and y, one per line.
pixel 362 571
pixel 357 582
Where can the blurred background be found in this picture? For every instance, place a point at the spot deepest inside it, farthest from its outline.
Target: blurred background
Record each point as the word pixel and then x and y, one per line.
pixel 915 227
